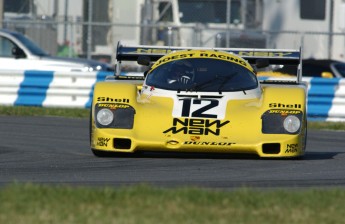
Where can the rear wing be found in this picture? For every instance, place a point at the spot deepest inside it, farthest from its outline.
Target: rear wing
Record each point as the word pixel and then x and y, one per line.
pixel 273 56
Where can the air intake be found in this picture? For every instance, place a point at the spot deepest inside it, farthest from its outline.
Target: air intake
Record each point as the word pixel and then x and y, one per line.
pixel 122 143
pixel 271 148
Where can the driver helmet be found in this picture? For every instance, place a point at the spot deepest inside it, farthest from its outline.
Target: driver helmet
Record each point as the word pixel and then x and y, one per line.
pixel 181 71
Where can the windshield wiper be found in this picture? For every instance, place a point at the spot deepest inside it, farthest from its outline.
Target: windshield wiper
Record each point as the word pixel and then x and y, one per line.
pixel 224 79
pixel 200 86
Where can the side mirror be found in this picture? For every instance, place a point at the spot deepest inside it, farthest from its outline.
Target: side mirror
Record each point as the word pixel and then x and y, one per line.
pixel 144 60
pixel 17 52
pixel 262 63
pixel 327 75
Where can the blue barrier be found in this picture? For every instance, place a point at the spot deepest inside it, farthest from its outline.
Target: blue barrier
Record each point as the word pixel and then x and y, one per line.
pixel 99 77
pixel 326 97
pixel 321 93
pixel 33 89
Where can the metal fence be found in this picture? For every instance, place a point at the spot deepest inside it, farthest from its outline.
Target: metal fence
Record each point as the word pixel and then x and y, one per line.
pixel 99 40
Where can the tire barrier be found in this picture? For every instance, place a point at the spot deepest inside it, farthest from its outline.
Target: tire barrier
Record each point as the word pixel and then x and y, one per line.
pixel 326 97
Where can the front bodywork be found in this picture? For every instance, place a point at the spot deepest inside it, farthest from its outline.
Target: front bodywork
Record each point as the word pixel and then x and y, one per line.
pixel 154 119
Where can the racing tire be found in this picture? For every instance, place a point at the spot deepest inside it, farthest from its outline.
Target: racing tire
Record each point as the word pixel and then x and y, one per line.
pixel 100 153
pixel 301 157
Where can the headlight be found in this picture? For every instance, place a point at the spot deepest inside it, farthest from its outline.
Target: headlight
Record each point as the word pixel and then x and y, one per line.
pixel 292 123
pixel 114 115
pixel 105 116
pixel 282 121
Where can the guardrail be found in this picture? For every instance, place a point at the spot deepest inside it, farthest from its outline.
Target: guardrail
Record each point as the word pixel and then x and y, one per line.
pixel 47 88
pixel 326 97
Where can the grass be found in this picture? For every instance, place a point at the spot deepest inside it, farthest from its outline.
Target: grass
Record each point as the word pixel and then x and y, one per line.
pixel 145 204
pixel 43 111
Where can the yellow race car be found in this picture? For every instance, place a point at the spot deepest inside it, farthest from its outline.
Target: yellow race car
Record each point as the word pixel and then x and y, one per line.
pixel 200 100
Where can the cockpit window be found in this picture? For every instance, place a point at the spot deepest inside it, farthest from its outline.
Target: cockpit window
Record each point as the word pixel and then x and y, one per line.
pixel 202 74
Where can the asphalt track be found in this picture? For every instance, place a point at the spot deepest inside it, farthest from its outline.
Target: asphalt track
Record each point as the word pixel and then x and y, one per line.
pixel 54 150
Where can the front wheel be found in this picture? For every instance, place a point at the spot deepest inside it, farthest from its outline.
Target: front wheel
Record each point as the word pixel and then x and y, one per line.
pixel 101 153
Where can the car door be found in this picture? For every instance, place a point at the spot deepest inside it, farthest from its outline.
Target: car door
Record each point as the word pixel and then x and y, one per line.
pixel 8 60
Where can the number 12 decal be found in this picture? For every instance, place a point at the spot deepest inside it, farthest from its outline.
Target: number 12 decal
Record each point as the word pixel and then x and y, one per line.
pixel 199 108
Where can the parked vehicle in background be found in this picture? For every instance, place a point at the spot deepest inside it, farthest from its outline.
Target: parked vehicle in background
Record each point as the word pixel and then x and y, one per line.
pixel 18 52
pixel 321 68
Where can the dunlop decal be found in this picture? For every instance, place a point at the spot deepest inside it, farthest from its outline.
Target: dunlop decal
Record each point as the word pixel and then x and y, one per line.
pixel 113 106
pixel 273 111
pixel 209 143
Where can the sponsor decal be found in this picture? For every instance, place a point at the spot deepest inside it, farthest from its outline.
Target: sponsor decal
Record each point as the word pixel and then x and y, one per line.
pixel 194 138
pixel 196 126
pixel 150 51
pixel 264 54
pixel 147 91
pixel 281 105
pixel 209 143
pixel 240 53
pixel 116 100
pixel 130 77
pixel 102 141
pixel 277 111
pixel 174 57
pixel 113 106
pixel 216 55
pixel 225 57
pixel 291 148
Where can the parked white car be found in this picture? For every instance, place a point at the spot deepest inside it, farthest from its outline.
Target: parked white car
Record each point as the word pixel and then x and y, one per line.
pixel 18 52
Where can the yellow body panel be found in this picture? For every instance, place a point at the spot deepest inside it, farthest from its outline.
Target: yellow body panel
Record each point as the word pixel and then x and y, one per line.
pixel 155 129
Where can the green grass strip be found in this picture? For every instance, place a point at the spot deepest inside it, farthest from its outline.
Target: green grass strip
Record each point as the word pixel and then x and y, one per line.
pixel 44 111
pixel 32 204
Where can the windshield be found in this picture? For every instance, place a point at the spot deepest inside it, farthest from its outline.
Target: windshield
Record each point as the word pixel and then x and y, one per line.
pixel 34 49
pixel 202 74
pixel 341 68
pixel 208 11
